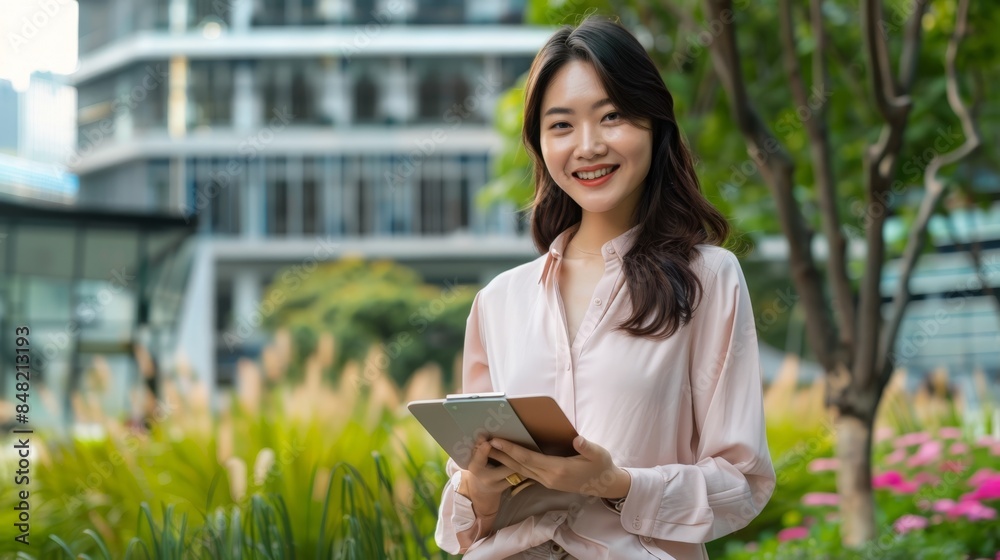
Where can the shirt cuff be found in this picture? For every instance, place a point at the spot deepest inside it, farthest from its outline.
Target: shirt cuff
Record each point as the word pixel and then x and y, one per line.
pixel 462 516
pixel 639 515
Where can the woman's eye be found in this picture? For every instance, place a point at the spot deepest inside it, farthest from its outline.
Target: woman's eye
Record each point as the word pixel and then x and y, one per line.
pixel 558 123
pixel 615 113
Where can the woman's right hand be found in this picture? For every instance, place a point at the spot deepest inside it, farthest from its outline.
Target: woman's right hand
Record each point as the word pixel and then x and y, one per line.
pixel 482 483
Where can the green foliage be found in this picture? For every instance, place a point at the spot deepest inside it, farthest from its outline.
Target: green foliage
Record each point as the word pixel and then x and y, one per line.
pixel 679 35
pixel 347 479
pixel 364 303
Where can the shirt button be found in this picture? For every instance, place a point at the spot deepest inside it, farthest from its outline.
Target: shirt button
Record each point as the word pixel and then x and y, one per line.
pixel 611 250
pixel 569 367
pixel 597 301
pixel 636 524
pixel 646 539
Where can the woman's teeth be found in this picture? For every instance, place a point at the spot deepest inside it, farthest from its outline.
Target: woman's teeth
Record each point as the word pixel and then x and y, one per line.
pixel 588 175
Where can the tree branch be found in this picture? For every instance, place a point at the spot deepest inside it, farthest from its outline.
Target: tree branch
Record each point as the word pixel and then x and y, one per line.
pixel 884 86
pixel 819 144
pixel 934 191
pixel 911 45
pixel 777 168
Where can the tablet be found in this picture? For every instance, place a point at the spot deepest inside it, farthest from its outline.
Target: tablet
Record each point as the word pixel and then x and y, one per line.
pixel 457 422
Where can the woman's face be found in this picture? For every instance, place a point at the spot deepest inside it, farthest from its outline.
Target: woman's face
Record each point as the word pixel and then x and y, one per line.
pixel 579 133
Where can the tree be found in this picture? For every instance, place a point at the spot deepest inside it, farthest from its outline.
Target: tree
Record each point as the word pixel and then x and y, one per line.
pixel 364 303
pixel 825 133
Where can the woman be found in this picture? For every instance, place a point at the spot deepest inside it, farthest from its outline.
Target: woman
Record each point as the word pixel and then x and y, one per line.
pixel 634 319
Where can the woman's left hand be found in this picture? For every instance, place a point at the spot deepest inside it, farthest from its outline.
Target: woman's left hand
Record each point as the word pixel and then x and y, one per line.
pixel 592 472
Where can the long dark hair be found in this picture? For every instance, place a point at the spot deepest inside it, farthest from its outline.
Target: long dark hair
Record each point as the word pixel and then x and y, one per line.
pixel 673 215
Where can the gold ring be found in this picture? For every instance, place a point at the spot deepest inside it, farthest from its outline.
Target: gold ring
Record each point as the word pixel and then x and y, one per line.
pixel 514 479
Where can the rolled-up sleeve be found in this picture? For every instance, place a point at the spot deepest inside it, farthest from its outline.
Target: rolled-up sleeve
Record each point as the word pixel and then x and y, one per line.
pixel 457 526
pixel 733 477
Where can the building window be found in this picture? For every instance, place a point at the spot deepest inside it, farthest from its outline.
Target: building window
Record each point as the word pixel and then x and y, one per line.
pixel 210 88
pixel 365 99
pixel 277 197
pixel 147 99
pixel 277 203
pixel 159 182
pixel 269 12
pixel 431 219
pixel 443 90
pixel 439 11
pixel 152 14
pixel 291 88
pixel 204 11
pixel 312 205
pixel 95 25
pixel 95 117
pixel 287 12
pixel 225 215
pixel 366 209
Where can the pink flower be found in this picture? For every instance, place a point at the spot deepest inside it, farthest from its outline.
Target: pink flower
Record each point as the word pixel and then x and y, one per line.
pixel 988 490
pixel 950 432
pixel 943 506
pixel 925 478
pixel 986 441
pixel 883 433
pixel 896 456
pixel 793 534
pixel 906 487
pixel 887 479
pixel 908 523
pixel 982 475
pixel 824 464
pixel 916 438
pixel 820 499
pixel 929 451
pixel 953 466
pixel 972 510
pixel 958 448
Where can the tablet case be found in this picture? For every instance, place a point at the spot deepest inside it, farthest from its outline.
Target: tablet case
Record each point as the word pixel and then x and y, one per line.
pixel 458 421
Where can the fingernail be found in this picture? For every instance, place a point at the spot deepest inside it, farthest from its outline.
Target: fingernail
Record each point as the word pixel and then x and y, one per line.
pixel 496 444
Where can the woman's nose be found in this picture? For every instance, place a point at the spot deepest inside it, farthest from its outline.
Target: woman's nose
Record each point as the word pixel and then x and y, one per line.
pixel 591 143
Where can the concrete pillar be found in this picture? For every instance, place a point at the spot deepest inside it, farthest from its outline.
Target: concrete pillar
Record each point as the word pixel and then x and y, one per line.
pixel 178 13
pixel 246 114
pixel 396 98
pixel 247 295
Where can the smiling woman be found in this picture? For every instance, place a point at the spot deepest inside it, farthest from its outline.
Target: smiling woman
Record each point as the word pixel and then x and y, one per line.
pixel 634 319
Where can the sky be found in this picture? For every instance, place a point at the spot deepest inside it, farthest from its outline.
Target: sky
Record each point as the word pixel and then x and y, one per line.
pixel 37 35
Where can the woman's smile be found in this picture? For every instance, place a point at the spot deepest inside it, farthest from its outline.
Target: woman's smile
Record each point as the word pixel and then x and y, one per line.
pixel 595 178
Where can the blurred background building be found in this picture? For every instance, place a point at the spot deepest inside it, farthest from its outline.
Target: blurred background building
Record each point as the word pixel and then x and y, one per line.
pixel 292 127
pixel 36 137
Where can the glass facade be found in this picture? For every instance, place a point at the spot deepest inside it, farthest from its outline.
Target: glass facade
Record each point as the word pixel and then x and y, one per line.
pixel 343 195
pixel 82 284
pixel 444 90
pixel 105 21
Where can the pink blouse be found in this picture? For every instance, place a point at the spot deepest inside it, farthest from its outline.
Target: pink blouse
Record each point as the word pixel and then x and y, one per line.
pixel 684 416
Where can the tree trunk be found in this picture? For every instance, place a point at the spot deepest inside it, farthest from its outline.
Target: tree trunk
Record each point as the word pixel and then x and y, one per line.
pixel 857 504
